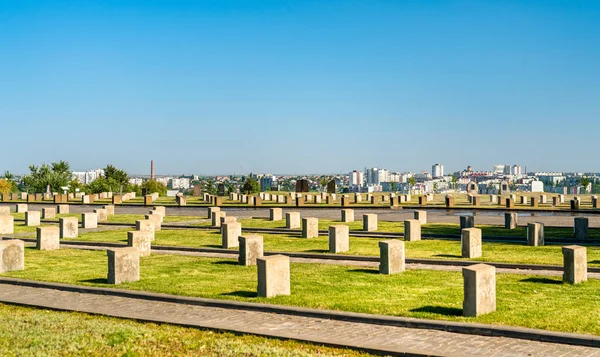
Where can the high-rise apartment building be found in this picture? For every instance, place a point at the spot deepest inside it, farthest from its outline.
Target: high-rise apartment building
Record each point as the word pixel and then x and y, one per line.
pixel 437 170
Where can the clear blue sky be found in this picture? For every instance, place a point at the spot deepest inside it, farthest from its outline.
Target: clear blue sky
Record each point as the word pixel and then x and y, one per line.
pixel 303 86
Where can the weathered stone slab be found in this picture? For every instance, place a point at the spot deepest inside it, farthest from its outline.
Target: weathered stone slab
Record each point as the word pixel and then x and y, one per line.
pixel 101 214
pixel 32 218
pixel 412 230
pixel 62 209
pixel 347 215
pixel 575 264
pixel 110 210
pixel 467 222
pixel 510 220
pixel 310 227
pixel 123 265
pixel 21 208
pixel 4 210
pixel 48 213
pixel 89 220
pixel 145 225
pixel 47 238
pixel 369 222
pixel 7 224
pixel 339 238
pixel 211 210
pixel 156 219
pixel 535 234
pixel 471 243
pixel 230 233
pixel 581 227
pixel 510 203
pixel 273 276
pixel 421 216
pixel 479 290
pixel 216 218
pixel 275 214
pixel 142 240
pixel 69 227
pixel 292 220
pixel 391 256
pixel 12 255
pixel 251 248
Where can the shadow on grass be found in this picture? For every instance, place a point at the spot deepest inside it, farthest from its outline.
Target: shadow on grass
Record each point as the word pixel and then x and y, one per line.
pixel 95 281
pixel 212 245
pixel 365 271
pixel 226 262
pixel 440 310
pixel 542 281
pixel 241 293
pixel 448 256
pixel 316 251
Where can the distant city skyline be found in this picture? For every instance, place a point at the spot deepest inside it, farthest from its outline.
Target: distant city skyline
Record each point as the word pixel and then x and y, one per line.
pixel 300 87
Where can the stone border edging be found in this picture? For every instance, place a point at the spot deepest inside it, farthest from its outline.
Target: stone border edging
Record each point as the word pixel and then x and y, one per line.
pixel 406 322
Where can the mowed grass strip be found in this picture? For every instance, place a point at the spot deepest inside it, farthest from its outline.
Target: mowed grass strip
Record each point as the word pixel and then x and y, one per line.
pixel 429 248
pixel 523 300
pixel 38 332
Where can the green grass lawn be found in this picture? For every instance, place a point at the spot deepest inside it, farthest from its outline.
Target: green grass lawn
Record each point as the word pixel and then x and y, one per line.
pixel 430 228
pixel 121 218
pixel 523 300
pixel 38 332
pixel 431 249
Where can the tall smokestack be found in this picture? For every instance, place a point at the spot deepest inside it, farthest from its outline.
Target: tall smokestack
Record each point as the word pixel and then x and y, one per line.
pixel 152 170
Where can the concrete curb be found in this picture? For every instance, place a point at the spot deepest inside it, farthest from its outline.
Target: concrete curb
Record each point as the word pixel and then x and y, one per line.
pixel 449 326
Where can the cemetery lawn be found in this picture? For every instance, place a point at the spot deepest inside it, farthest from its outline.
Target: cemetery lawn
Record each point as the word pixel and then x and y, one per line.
pixel 522 300
pixel 430 228
pixel 42 333
pixel 429 248
pixel 117 218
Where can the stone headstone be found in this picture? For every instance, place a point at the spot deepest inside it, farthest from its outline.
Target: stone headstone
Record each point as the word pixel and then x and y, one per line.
pixel 273 276
pixel 575 264
pixel 7 224
pixel 575 204
pixel 4 210
pixel 339 240
pixel 347 215
pixel 471 243
pixel 69 227
pixel 370 222
pixel 467 222
pixel 101 214
pixel 310 227
pixel 48 213
pixel 110 210
pixel 221 189
pixel 230 234
pixel 581 227
pixel 211 210
pixel 47 238
pixel 32 218
pixel 251 248
pixel 89 220
pixel 510 220
pixel 479 290
pixel 21 208
pixel 449 201
pixel 123 265
pixel 275 214
pixel 534 201
pixel 156 219
pixel 292 220
pixel 421 216
pixel 62 209
pixel 12 255
pixel 145 225
pixel 331 186
pixel 510 203
pixel 412 230
pixel 391 256
pixel 535 234
pixel 140 240
pixel 302 186
pixel 216 218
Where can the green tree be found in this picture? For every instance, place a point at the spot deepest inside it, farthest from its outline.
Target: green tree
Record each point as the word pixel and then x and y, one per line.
pixel 209 187
pixel 153 186
pixel 585 182
pixel 55 175
pixel 253 184
pixel 117 179
pixel 411 183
